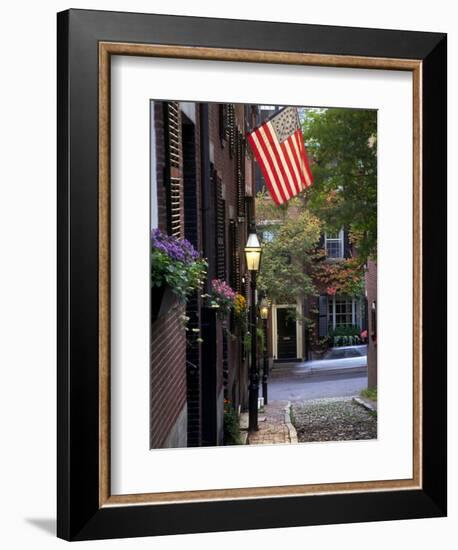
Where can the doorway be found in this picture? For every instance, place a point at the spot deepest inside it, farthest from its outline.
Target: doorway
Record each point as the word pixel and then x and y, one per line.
pixel 286 333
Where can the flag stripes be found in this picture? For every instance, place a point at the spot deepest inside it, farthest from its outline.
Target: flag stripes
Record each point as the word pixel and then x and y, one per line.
pixel 278 147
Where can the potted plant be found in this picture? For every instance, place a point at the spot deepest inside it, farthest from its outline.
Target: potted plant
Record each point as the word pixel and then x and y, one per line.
pixel 177 269
pixel 222 297
pixel 240 313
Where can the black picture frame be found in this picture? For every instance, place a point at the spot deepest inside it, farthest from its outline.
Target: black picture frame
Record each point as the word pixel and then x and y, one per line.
pixel 79 515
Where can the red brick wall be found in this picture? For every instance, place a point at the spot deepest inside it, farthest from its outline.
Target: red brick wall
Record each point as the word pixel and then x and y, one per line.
pixel 168 375
pixel 168 344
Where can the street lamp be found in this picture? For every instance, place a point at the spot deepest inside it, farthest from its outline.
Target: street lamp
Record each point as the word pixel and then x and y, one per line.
pixel 264 313
pixel 264 309
pixel 253 252
pixel 253 260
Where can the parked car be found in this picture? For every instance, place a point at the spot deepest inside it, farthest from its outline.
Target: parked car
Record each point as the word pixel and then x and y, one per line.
pixel 344 357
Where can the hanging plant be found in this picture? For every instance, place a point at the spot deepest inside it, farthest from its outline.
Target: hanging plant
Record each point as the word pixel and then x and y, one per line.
pixel 222 297
pixel 177 264
pixel 240 312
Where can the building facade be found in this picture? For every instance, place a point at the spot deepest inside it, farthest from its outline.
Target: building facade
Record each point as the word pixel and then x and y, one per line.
pixel 296 328
pixel 202 186
pixel 304 327
pixel 371 296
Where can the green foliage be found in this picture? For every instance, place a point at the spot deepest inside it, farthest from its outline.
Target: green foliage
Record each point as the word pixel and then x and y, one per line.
pixel 370 393
pixel 283 274
pixel 231 425
pixel 346 330
pixel 344 276
pixel 345 335
pixel 247 341
pixel 183 278
pixel 342 144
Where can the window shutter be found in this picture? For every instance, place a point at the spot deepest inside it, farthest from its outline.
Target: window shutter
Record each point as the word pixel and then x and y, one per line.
pixel 323 316
pixel 224 123
pixel 240 176
pixel 235 278
pixel 321 241
pixel 222 129
pixel 220 229
pixel 175 206
pixel 346 244
pixel 174 179
pixel 173 131
pixel 231 129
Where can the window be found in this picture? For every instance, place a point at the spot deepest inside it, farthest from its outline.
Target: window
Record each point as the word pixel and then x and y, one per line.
pixel 343 311
pixel 268 235
pixel 334 244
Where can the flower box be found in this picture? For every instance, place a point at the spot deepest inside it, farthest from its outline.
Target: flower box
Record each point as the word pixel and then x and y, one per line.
pixel 162 300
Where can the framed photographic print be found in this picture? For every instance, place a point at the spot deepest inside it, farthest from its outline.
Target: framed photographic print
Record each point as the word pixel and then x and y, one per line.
pixel 251 289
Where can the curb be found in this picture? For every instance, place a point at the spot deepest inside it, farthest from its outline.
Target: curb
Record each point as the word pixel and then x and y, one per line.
pixel 351 370
pixel 243 425
pixel 291 429
pixel 365 403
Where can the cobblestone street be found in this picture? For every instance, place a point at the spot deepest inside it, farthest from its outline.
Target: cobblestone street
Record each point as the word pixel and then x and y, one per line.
pixel 333 419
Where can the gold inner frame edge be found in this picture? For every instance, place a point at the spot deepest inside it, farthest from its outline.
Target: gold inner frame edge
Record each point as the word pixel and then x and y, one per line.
pixel 106 50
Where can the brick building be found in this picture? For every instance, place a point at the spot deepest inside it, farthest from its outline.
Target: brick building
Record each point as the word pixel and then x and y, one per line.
pixel 201 189
pixel 371 297
pixel 338 311
pixel 290 338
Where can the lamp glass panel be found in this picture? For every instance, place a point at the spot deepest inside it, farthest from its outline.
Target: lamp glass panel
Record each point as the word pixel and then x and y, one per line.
pixel 252 259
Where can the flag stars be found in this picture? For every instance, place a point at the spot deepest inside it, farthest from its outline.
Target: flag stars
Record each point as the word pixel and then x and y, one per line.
pixel 285 123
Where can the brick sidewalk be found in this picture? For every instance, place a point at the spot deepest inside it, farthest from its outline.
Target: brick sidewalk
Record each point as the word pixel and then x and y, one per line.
pixel 274 425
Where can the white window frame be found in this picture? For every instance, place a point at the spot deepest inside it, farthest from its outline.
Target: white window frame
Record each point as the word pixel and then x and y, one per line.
pixel 356 317
pixel 340 240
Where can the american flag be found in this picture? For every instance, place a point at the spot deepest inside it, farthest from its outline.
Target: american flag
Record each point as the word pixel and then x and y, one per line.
pixel 279 148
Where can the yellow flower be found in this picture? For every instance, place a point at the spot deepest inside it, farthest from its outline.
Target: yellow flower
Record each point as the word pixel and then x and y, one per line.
pixel 239 304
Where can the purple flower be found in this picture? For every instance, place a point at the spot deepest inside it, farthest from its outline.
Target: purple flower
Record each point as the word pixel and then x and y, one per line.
pixel 180 250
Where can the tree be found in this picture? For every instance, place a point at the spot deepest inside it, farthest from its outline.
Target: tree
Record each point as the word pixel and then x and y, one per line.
pixel 283 275
pixel 342 147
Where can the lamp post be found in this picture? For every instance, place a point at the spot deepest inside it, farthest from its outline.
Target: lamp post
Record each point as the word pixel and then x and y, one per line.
pixel 253 260
pixel 264 313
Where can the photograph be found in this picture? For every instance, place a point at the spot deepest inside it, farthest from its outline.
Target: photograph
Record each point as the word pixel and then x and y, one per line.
pixel 263 274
